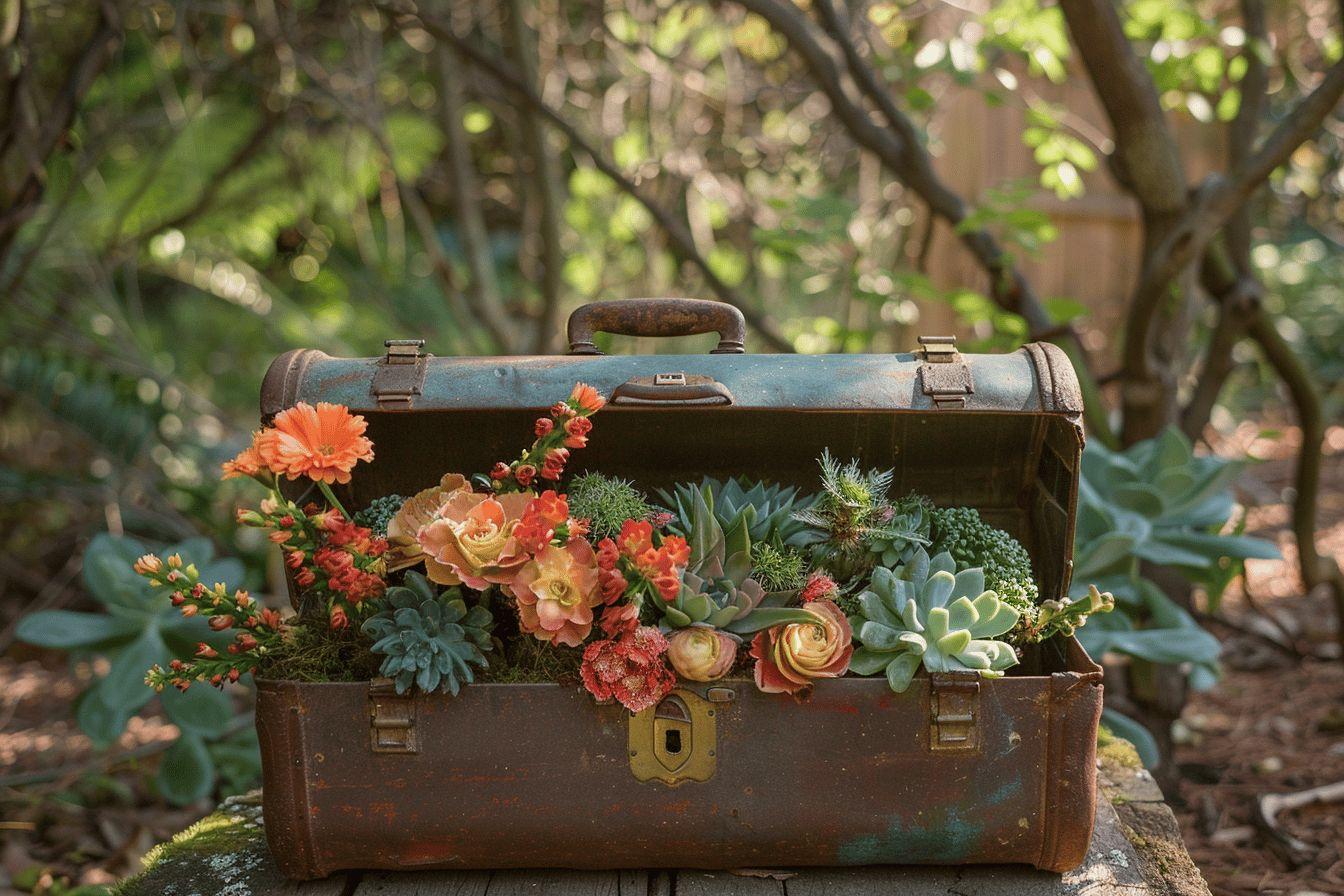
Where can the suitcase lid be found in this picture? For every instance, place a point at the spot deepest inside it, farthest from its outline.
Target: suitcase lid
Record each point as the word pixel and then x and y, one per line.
pixel 1002 433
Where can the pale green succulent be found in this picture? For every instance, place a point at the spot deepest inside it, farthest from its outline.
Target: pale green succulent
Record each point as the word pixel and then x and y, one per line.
pixel 933 617
pixel 717 588
pixel 429 640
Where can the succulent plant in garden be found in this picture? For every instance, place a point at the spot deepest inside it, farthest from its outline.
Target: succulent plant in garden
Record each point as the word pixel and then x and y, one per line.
pixel 767 509
pixel 606 503
pixel 906 530
pixel 429 640
pixel 972 542
pixel 717 588
pixel 933 617
pixel 379 513
pixel 778 569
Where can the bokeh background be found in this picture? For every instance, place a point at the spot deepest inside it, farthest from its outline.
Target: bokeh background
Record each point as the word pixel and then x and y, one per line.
pixel 189 189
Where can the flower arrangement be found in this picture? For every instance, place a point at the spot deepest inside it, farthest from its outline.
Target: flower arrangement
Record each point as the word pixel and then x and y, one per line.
pixel 447 584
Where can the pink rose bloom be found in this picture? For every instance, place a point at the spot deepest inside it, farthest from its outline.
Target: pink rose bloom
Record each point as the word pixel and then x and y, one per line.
pixel 556 593
pixel 470 540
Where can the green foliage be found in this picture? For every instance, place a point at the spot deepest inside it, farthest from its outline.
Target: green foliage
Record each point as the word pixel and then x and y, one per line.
pixel 972 542
pixel 379 513
pixel 429 640
pixel 766 510
pixel 925 614
pixel 606 502
pixel 138 629
pixel 1158 502
pixel 717 588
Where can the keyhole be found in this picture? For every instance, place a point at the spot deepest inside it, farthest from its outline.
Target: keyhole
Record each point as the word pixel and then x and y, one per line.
pixel 672 742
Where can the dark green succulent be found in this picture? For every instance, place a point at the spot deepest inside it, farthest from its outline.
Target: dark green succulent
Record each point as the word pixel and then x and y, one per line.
pixel 379 513
pixel 718 588
pixel 606 503
pixel 906 530
pixel 972 542
pixel 852 520
pixel 765 508
pixel 427 639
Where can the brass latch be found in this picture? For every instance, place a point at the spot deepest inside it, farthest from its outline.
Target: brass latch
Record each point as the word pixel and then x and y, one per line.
pixel 944 375
pixel 677 741
pixel 391 719
pixel 400 374
pixel 954 705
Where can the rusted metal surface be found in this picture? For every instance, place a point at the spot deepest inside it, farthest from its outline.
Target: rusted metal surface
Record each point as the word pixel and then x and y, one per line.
pixel 657 317
pixel 522 775
pixel 537 775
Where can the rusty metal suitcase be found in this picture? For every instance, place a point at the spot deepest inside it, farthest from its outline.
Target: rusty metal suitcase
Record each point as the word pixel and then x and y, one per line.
pixel 720 776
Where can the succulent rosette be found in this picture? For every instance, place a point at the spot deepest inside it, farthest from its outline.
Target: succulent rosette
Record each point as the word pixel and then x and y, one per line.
pixel 701 653
pixel 556 593
pixel 470 541
pixel 791 657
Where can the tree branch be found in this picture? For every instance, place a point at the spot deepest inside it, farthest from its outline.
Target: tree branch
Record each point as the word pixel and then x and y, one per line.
pixel 677 232
pixel 467 203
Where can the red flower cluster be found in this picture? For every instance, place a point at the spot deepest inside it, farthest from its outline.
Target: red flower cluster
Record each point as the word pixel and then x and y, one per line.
pixel 661 566
pixel 819 587
pixel 630 669
pixel 565 429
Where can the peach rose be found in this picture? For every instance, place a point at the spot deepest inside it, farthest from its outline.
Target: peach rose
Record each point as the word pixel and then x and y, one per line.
pixel 790 657
pixel 701 654
pixel 470 540
pixel 418 510
pixel 557 592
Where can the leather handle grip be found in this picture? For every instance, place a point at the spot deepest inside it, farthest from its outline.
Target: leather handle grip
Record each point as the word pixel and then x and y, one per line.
pixel 693 391
pixel 657 317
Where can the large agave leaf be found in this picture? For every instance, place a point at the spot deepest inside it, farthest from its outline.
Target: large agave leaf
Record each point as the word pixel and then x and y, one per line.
pixel 761 619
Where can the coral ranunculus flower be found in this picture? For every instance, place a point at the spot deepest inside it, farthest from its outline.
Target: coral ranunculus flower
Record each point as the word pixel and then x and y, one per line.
pixel 556 593
pixel 699 653
pixel 417 511
pixel 790 657
pixel 471 539
pixel 323 443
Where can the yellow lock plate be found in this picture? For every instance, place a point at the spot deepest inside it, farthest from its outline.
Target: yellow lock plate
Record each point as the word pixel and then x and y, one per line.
pixel 675 741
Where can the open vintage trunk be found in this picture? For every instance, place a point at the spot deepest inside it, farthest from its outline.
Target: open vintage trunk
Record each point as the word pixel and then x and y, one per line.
pixel 956 769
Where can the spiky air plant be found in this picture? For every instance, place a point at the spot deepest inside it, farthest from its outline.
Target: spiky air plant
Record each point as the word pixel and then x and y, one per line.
pixel 429 640
pixel 851 518
pixel 924 614
pixel 766 508
pixel 718 589
pixel 606 503
pixel 778 569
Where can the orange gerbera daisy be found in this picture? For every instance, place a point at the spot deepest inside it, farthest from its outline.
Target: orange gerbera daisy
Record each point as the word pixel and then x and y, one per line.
pixel 323 443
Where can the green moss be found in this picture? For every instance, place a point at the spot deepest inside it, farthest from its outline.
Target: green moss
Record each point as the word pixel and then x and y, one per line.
pixel 778 569
pixel 526 660
pixel 224 853
pixel 315 653
pixel 1116 750
pixel 606 503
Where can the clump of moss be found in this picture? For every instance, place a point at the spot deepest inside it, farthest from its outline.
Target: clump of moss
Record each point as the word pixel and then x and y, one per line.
pixel 529 661
pixel 972 542
pixel 606 503
pixel 316 653
pixel 778 569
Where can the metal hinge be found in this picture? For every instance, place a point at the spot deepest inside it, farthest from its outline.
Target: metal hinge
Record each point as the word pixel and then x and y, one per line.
pixel 954 705
pixel 400 374
pixel 391 719
pixel 944 375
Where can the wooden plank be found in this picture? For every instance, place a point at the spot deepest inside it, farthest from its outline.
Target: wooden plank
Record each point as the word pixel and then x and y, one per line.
pixel 555 882
pixel 423 883
pixel 723 883
pixel 330 886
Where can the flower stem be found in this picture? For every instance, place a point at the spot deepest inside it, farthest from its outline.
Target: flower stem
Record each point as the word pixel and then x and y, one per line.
pixel 326 490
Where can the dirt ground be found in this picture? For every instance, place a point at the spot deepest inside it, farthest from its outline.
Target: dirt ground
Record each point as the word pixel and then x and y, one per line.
pixel 1273 725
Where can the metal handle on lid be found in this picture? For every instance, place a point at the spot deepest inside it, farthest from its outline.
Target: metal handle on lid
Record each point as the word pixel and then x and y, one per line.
pixel 657 317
